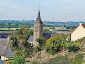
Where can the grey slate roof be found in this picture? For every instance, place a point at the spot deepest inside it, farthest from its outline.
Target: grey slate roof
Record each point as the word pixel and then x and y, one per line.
pixel 4 49
pixel 9 53
pixel 4 35
pixel 1 62
pixel 49 35
pixel 30 39
pixel 3 46
pixel 46 35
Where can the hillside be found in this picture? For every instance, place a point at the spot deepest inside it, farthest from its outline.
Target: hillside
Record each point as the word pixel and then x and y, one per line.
pixel 45 22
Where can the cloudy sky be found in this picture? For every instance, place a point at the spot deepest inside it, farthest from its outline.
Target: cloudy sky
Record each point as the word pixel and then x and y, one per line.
pixel 51 10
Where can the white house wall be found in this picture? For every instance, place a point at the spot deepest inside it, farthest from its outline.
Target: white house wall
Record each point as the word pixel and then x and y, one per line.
pixel 78 33
pixel 4 58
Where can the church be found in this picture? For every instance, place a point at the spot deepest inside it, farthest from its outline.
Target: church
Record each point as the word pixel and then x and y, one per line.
pixel 38 31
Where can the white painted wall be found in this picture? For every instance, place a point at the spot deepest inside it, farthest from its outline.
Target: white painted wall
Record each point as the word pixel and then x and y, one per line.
pixel 4 58
pixel 78 33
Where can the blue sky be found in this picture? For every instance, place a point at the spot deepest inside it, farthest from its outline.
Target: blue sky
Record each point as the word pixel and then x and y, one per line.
pixel 51 10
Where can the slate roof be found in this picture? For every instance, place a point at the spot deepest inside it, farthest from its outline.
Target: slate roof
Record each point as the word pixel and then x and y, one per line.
pixel 4 35
pixel 4 49
pixel 30 39
pixel 49 35
pixel 9 53
pixel 46 35
pixel 3 46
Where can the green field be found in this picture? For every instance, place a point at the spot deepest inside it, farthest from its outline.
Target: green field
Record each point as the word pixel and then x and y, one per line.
pixel 7 30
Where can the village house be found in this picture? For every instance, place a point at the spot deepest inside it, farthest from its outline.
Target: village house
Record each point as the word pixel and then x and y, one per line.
pixel 78 33
pixel 5 51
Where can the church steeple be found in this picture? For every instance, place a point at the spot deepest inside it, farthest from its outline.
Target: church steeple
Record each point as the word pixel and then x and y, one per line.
pixel 38 29
pixel 39 18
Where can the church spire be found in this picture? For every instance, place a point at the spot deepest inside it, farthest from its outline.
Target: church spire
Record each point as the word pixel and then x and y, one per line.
pixel 38 17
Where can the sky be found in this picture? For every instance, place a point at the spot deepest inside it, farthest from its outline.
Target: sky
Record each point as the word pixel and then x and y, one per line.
pixel 51 10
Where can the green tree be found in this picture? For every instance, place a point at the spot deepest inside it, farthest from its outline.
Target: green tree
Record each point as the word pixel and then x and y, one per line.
pixel 64 25
pixel 14 42
pixel 19 42
pixel 30 32
pixel 22 41
pixel 54 43
pixel 41 41
pixel 23 30
pixel 19 60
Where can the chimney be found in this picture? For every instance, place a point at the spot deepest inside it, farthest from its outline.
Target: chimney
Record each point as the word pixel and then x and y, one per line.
pixel 80 24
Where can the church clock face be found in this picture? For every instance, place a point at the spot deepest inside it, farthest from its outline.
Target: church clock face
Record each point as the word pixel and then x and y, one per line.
pixel 36 28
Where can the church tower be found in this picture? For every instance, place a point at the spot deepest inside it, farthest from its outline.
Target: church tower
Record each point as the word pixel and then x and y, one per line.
pixel 38 29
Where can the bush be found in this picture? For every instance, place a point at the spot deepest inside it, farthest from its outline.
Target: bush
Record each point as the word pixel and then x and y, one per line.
pixel 35 50
pixel 52 52
pixel 39 56
pixel 27 61
pixel 73 47
pixel 53 43
pixel 22 53
pixel 31 54
pixel 34 62
pixel 39 49
pixel 41 41
pixel 19 60
pixel 30 32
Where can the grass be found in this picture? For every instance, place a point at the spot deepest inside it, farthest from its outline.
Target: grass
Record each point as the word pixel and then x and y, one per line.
pixel 6 30
pixel 64 32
